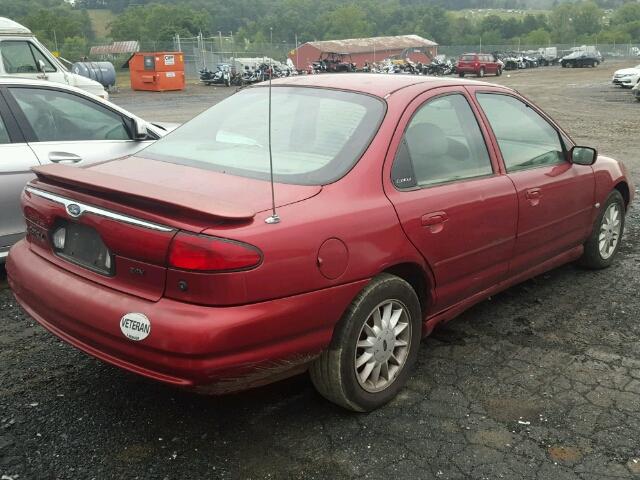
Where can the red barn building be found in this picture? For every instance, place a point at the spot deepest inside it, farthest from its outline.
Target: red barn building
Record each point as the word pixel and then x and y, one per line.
pixel 361 50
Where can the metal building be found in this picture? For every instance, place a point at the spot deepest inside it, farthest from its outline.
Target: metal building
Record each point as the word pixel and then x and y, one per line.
pixel 361 50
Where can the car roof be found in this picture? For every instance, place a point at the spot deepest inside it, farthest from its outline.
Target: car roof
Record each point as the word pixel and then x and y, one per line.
pixel 9 27
pixel 378 84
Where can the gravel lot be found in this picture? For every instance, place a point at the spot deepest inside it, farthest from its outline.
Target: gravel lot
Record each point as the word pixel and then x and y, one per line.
pixel 541 381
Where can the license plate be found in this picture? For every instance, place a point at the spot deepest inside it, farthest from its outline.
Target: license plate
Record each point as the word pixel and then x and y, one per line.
pixel 83 246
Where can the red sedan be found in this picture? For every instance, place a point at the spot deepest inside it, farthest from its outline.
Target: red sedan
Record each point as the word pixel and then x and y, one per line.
pixel 402 201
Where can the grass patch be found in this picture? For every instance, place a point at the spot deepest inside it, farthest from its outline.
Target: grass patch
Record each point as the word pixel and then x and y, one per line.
pixel 100 20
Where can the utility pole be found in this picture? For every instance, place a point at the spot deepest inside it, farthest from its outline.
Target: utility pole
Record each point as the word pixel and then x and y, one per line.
pixel 297 53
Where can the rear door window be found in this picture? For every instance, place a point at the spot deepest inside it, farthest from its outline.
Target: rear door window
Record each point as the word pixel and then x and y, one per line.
pixel 60 116
pixel 525 138
pixel 443 143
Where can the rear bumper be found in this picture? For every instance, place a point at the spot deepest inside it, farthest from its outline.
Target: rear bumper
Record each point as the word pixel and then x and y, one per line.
pixel 225 348
pixel 467 69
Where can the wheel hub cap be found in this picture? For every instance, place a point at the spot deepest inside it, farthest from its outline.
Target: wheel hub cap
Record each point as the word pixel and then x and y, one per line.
pixel 383 346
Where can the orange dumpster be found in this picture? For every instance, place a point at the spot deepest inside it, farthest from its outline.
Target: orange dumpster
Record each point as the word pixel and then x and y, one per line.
pixel 157 71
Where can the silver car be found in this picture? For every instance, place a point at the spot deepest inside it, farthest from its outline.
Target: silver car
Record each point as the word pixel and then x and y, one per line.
pixel 44 122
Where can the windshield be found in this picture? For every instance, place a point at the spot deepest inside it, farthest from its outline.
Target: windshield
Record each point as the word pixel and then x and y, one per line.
pixel 317 135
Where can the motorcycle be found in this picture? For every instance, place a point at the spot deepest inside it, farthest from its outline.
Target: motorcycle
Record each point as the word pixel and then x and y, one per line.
pixel 221 76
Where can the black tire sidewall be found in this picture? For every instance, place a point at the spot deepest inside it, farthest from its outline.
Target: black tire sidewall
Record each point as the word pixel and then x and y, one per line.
pixel 592 257
pixel 387 288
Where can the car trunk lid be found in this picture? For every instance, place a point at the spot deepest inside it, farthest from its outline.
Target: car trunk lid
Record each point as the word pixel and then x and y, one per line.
pixel 121 216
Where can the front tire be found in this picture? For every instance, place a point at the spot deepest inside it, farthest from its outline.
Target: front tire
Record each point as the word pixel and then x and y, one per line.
pixel 603 243
pixel 374 347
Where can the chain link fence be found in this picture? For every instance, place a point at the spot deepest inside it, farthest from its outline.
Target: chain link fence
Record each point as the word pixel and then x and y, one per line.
pixel 205 52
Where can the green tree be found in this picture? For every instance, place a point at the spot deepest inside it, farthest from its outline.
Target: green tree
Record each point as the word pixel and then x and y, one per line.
pixel 74 48
pixel 587 19
pixel 629 12
pixel 348 21
pixel 539 37
pixel 159 23
pixel 58 23
pixel 561 23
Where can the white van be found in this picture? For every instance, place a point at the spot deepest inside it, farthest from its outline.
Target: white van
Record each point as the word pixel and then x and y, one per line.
pixel 22 55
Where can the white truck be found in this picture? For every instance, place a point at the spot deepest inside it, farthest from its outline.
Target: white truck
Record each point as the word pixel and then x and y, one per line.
pixel 22 55
pixel 549 55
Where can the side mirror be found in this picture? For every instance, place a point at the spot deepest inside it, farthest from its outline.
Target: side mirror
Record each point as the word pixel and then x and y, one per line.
pixel 583 155
pixel 42 68
pixel 140 131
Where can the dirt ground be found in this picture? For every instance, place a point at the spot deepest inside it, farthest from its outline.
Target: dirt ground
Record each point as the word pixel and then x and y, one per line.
pixel 539 382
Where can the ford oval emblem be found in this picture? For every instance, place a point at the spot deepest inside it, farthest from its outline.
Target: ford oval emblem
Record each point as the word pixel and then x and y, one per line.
pixel 74 210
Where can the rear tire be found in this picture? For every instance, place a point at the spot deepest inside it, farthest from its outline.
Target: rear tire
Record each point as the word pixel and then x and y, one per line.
pixel 603 243
pixel 461 74
pixel 351 372
pixel 498 72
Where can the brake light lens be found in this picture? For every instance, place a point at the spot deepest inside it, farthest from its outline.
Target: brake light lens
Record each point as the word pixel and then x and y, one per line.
pixel 212 254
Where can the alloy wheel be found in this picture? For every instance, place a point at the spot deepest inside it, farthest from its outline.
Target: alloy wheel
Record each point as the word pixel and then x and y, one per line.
pixel 383 346
pixel 610 227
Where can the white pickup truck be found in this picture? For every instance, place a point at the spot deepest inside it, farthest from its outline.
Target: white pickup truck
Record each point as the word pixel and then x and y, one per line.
pixel 22 55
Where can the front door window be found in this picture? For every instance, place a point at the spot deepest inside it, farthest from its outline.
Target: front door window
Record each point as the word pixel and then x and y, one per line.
pixel 526 139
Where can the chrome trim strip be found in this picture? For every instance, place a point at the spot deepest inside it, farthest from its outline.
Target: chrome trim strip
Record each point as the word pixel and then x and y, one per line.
pixel 84 208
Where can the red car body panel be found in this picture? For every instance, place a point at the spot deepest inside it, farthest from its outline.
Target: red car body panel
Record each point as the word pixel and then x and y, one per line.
pixel 189 344
pixel 457 242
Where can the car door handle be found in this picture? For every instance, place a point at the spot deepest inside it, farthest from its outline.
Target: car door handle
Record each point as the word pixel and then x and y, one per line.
pixel 435 221
pixel 64 157
pixel 533 193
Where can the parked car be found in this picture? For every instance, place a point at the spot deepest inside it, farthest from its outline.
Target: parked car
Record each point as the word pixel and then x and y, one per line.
pixel 478 64
pixel 22 55
pixel 43 122
pixel 636 91
pixel 627 77
pixel 176 265
pixel 581 58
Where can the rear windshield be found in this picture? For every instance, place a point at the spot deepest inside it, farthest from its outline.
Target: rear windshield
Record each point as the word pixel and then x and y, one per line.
pixel 467 58
pixel 317 135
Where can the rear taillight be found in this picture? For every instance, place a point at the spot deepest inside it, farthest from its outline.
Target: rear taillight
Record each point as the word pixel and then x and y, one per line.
pixel 206 253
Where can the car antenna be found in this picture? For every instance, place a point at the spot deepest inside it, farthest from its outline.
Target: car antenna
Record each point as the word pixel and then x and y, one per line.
pixel 274 218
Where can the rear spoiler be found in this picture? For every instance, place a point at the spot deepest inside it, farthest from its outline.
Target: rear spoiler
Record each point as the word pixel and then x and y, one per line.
pixel 94 181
